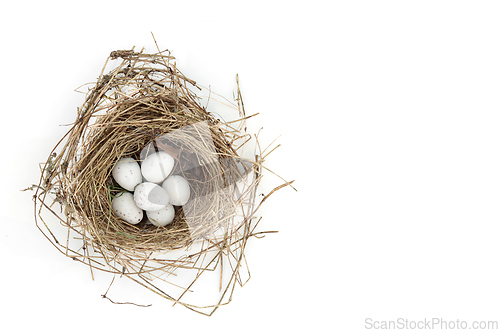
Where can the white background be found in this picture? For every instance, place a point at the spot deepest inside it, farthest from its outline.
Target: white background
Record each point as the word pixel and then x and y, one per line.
pixel 389 116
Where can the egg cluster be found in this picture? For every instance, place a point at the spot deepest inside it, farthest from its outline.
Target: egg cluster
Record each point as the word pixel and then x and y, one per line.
pixel 155 191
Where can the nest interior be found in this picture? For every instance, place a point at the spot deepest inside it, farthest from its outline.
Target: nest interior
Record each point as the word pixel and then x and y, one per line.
pixel 146 104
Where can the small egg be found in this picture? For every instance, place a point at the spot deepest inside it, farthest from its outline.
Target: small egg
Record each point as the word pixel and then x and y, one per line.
pixel 127 173
pixel 178 190
pixel 150 196
pixel 125 208
pixel 157 166
pixel 162 217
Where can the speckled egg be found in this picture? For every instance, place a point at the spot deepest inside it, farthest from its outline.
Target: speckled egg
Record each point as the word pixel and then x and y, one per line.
pixel 125 208
pixel 178 190
pixel 157 166
pixel 150 196
pixel 127 173
pixel 162 217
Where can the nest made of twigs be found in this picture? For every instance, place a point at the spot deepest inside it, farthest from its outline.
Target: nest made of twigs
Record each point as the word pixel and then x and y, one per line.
pixel 146 104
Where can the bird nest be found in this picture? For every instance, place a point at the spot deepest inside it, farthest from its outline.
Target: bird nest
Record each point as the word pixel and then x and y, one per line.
pixel 143 105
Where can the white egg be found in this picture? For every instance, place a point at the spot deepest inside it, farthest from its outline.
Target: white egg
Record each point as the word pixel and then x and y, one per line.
pixel 178 190
pixel 150 196
pixel 127 173
pixel 125 208
pixel 162 217
pixel 157 166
